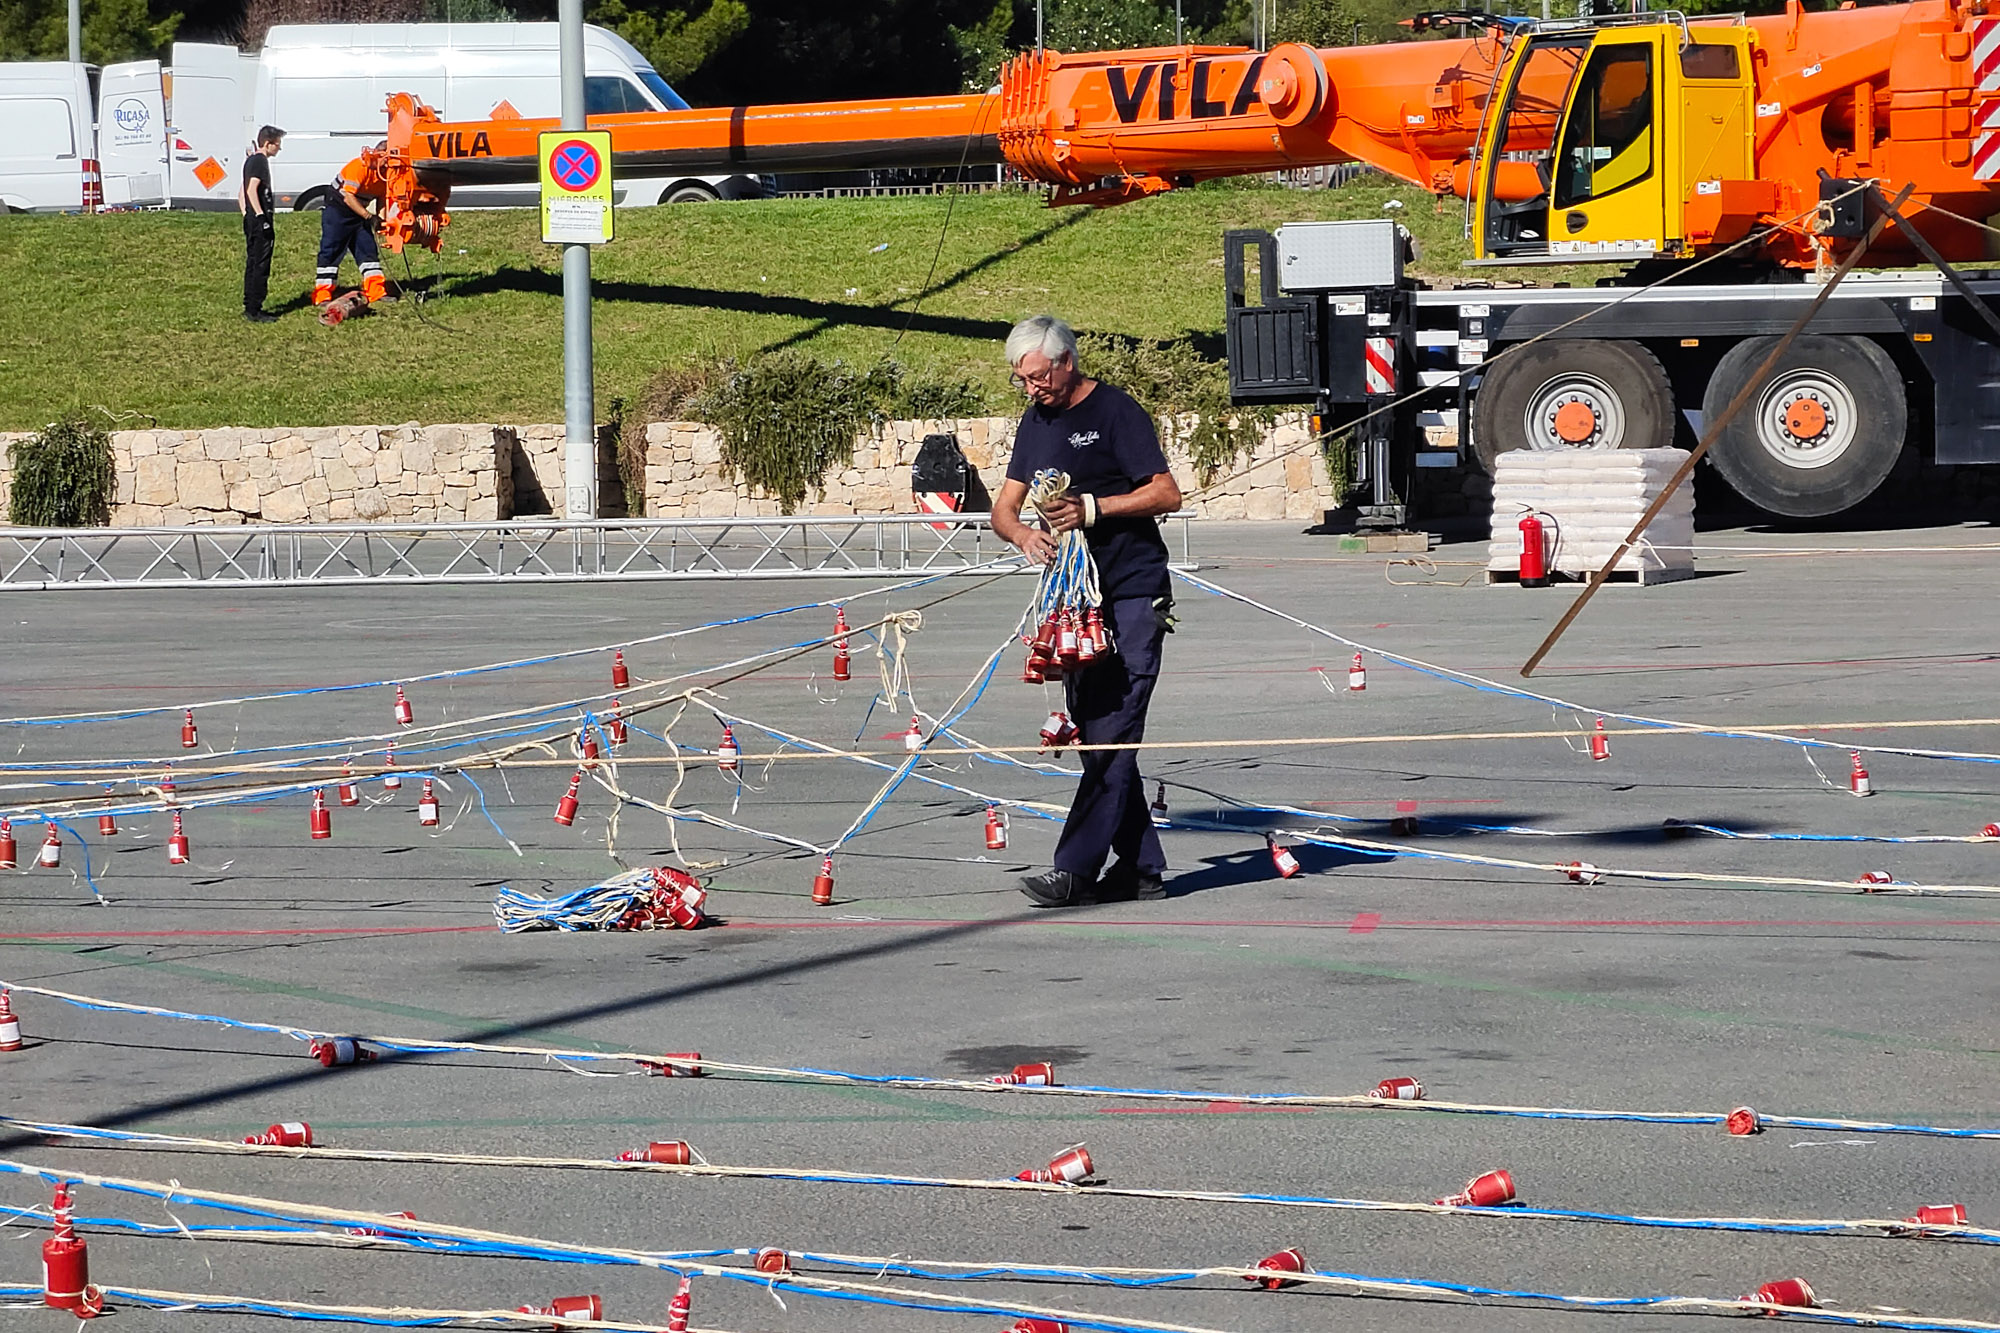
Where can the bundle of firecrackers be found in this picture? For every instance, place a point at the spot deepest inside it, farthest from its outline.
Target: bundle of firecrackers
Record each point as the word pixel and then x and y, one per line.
pixel 673 903
pixel 1067 641
pixel 650 898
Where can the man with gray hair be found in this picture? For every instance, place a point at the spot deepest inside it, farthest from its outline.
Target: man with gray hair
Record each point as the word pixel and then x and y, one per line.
pixel 1119 486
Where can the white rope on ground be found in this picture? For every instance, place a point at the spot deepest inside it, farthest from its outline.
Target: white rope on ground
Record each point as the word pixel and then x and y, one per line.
pixel 1694 877
pixel 425 1046
pixel 1658 725
pixel 458 730
pixel 834 752
pixel 177 1193
pixel 1860 1227
pixel 814 1284
pixel 1010 563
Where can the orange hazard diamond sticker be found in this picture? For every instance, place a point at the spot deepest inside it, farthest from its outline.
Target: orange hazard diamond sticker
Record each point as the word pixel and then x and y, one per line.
pixel 209 172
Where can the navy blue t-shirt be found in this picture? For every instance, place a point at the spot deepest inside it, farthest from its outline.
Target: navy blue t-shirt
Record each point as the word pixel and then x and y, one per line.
pixel 1108 446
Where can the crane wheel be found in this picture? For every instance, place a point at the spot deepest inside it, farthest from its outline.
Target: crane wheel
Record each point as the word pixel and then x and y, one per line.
pixel 1572 393
pixel 1820 435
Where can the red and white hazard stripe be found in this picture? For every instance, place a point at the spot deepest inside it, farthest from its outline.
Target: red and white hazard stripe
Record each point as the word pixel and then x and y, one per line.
pixel 1986 141
pixel 937 502
pixel 1986 55
pixel 1381 362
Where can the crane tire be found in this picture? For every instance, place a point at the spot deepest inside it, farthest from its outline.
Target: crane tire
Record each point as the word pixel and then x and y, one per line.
pixel 1580 393
pixel 1820 434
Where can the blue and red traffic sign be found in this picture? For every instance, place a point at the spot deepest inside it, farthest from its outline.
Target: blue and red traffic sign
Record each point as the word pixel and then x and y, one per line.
pixel 575 165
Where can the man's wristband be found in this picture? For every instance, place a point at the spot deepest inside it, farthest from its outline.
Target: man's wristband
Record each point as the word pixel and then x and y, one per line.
pixel 1089 508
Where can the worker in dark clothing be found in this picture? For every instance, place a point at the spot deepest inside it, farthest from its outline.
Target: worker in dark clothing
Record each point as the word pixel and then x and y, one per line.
pixel 1119 485
pixel 260 227
pixel 347 226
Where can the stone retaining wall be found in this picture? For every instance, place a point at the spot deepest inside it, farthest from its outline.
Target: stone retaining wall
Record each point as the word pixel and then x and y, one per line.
pixel 480 473
pixel 1282 480
pixel 312 474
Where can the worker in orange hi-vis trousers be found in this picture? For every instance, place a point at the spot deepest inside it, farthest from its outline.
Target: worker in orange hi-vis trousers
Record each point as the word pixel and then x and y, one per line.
pixel 346 225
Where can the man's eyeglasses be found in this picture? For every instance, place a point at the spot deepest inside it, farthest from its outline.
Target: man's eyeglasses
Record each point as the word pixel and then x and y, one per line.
pixel 1039 379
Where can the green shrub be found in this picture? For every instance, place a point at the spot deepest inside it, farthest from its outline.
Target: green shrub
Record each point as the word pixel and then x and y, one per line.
pixel 62 477
pixel 788 418
pixel 1187 395
pixel 1337 448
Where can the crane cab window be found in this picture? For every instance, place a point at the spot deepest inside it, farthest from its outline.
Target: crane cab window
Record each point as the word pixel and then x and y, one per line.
pixel 1709 60
pixel 1607 143
pixel 1519 165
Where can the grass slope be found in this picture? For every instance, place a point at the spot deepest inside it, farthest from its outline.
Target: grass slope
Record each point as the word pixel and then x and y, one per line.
pixel 139 313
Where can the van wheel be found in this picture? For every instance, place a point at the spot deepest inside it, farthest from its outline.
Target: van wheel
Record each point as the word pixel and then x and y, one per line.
pixel 691 193
pixel 1820 435
pixel 310 201
pixel 1573 394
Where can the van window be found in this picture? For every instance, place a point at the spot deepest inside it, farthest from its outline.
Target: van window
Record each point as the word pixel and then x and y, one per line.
pixel 661 89
pixel 612 96
pixel 37 127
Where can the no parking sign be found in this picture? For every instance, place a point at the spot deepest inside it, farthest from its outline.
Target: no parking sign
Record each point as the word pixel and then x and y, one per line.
pixel 576 187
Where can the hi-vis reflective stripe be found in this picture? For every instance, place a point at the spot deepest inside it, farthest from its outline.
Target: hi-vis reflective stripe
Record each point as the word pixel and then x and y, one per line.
pixel 1986 55
pixel 1381 359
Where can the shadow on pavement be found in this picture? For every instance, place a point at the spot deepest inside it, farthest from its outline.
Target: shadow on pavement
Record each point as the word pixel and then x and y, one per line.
pixel 921 938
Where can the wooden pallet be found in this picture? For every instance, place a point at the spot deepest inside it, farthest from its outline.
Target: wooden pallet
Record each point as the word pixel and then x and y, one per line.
pixel 1636 578
pixel 1366 543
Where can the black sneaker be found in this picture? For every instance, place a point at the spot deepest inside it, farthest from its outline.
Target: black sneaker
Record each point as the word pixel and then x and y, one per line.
pixel 1056 888
pixel 260 317
pixel 1124 882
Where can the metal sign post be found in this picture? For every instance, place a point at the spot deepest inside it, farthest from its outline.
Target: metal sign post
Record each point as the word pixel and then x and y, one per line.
pixel 579 405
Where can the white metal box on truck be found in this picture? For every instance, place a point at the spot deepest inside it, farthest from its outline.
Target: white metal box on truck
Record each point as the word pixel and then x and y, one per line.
pixel 325 85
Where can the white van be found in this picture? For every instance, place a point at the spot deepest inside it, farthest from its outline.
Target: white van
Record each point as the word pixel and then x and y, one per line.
pixel 325 86
pixel 57 155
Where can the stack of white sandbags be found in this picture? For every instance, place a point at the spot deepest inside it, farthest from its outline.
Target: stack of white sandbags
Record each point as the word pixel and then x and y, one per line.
pixel 1588 501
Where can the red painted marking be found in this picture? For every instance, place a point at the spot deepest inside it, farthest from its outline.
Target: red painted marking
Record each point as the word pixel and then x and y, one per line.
pixel 1365 923
pixel 1270 924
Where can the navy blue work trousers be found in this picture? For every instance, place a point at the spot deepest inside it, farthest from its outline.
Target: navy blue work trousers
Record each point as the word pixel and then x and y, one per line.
pixel 342 231
pixel 1108 702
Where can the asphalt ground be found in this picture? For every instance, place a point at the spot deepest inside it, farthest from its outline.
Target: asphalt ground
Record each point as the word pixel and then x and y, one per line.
pixel 1490 984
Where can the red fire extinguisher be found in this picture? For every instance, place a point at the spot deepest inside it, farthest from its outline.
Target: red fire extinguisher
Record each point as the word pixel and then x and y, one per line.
pixel 1534 554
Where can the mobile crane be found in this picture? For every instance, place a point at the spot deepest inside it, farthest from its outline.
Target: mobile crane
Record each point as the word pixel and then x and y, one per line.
pixel 1721 164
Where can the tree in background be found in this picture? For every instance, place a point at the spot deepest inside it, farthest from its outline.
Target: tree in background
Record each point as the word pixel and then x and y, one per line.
pixel 113 30
pixel 812 50
pixel 985 46
pixel 677 40
pixel 260 16
pixel 1324 22
pixel 1107 25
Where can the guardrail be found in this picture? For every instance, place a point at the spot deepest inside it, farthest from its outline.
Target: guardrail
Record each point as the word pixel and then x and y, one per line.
pixel 511 551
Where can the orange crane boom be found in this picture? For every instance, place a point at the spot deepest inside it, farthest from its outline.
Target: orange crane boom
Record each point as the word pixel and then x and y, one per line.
pixel 1886 92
